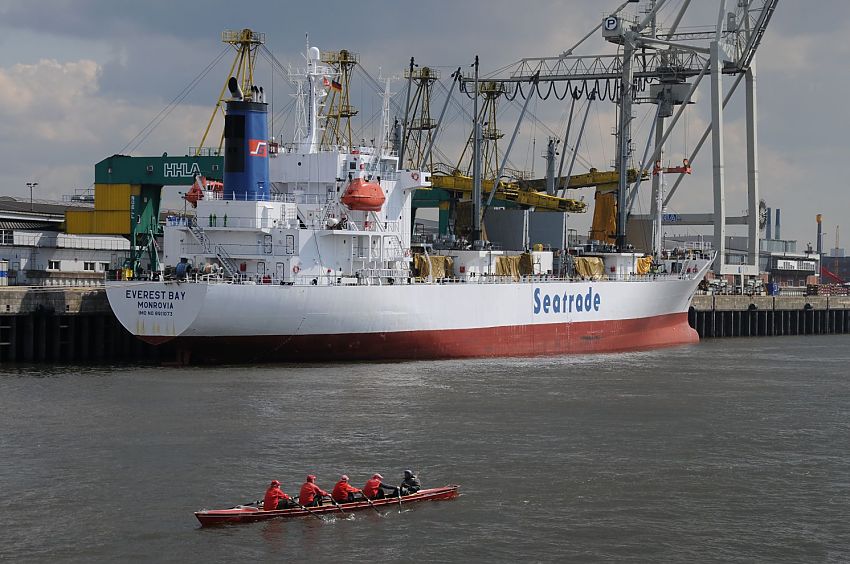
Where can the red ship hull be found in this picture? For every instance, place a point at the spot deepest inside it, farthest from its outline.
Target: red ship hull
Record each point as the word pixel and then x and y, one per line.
pixel 520 340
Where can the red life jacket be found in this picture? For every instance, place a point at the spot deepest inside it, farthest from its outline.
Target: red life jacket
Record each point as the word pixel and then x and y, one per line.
pixel 273 495
pixel 309 491
pixel 341 491
pixel 371 488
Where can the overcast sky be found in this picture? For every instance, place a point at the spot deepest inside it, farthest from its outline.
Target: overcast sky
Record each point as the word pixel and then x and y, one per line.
pixel 80 79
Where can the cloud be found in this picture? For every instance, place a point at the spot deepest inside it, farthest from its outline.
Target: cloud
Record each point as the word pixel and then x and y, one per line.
pixel 79 78
pixel 56 123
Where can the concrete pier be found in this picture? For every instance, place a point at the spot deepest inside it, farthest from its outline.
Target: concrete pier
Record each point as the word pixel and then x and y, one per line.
pixel 64 325
pixel 769 316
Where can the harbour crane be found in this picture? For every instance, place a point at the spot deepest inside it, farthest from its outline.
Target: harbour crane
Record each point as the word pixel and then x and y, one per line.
pixel 654 66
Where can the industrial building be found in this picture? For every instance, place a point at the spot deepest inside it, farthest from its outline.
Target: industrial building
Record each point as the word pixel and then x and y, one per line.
pixel 35 250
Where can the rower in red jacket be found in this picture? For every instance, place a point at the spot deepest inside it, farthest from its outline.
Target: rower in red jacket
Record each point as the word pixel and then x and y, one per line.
pixel 311 495
pixel 343 491
pixel 275 498
pixel 374 488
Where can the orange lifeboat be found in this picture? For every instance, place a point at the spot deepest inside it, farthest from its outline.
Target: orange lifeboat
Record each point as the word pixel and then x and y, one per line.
pixel 194 194
pixel 362 195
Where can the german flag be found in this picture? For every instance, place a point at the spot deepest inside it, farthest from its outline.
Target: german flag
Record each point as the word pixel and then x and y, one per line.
pixel 336 85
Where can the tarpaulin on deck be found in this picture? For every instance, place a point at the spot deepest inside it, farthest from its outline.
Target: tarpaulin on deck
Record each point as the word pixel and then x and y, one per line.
pixel 590 268
pixel 604 226
pixel 434 265
pixel 643 265
pixel 515 266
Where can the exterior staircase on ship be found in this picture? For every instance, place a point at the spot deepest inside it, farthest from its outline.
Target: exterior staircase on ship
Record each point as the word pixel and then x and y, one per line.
pixel 227 261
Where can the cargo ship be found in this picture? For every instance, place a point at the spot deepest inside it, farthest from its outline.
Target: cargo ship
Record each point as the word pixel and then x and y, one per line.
pixel 304 253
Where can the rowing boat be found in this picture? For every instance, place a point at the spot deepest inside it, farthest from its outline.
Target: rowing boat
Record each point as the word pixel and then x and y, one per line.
pixel 249 514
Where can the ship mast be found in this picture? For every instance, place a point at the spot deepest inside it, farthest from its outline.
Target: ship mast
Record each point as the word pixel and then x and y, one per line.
pixel 316 75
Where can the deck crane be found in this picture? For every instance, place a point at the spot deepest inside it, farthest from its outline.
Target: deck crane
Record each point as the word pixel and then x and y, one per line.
pixel 338 110
pixel 419 132
pixel 665 60
pixel 456 181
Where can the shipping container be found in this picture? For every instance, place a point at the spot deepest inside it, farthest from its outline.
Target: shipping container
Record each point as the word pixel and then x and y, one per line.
pixel 79 222
pixel 113 197
pixel 112 222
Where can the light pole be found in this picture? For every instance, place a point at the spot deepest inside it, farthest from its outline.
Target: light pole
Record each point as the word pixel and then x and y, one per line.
pixel 31 185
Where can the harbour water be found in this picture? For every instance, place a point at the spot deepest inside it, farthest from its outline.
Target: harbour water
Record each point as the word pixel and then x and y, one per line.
pixel 726 451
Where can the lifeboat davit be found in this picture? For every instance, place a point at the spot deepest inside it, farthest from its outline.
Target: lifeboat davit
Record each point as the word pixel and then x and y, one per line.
pixel 362 195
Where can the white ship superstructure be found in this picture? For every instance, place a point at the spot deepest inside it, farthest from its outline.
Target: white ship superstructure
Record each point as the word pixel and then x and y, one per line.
pixel 306 254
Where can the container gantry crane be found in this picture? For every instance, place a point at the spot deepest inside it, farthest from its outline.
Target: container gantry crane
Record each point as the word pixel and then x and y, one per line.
pixel 655 66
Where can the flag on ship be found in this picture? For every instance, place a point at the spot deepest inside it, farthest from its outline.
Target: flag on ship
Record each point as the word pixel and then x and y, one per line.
pixel 336 85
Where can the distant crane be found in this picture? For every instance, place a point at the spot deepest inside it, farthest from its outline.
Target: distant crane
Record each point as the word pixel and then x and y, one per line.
pixel 835 253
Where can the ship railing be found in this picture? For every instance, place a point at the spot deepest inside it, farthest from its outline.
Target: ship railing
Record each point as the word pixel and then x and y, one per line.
pixel 273 197
pixel 362 252
pixel 382 276
pixel 390 276
pixel 312 199
pixel 387 174
pixel 544 278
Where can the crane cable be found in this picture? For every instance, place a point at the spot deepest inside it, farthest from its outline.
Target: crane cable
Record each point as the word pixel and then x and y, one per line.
pixel 143 134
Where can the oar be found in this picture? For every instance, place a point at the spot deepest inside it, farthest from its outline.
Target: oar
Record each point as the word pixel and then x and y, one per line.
pixel 398 492
pixel 307 510
pixel 249 504
pixel 337 505
pixel 372 505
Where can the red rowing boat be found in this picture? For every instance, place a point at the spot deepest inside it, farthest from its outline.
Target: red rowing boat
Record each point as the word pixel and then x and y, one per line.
pixel 249 514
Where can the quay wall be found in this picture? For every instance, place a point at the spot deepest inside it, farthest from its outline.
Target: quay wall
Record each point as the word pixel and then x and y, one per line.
pixel 769 316
pixel 64 325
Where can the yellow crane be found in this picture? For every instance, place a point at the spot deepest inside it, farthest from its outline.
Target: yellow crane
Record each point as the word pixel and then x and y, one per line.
pixel 604 226
pixel 338 109
pixel 510 191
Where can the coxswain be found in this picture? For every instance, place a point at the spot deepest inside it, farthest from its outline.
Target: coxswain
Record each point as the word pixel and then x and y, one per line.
pixel 343 492
pixel 374 488
pixel 275 498
pixel 410 484
pixel 311 495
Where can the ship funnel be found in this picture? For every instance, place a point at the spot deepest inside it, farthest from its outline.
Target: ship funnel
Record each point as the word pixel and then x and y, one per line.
pixel 233 86
pixel 246 150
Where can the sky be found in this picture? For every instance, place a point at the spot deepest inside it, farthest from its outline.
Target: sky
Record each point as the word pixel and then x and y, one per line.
pixel 80 80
